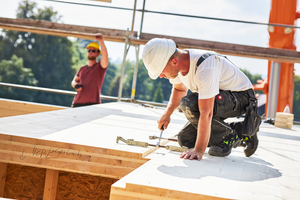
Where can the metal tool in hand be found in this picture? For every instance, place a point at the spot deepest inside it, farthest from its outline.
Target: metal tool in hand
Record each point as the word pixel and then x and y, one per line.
pixel 162 129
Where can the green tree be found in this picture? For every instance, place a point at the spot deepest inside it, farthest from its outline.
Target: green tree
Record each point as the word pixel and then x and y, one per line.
pixel 79 55
pixel 49 57
pixel 158 95
pixel 114 87
pixel 145 86
pixel 12 71
pixel 253 78
pixel 296 104
pixel 109 78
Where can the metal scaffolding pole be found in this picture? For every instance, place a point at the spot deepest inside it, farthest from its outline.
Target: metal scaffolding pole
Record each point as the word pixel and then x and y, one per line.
pixel 133 17
pixel 142 18
pixel 273 89
pixel 137 50
pixel 126 49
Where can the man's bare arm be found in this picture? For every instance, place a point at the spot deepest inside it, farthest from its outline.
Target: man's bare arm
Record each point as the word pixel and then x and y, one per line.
pixel 206 107
pixel 104 59
pixel 178 91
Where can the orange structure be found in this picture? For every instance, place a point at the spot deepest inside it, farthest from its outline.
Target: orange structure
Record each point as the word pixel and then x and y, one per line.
pixel 282 12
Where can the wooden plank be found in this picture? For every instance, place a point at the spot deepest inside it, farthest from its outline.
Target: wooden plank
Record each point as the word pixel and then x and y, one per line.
pixel 3 168
pixel 83 140
pixel 114 35
pixel 62 30
pixel 271 173
pixel 139 192
pixel 50 184
pixel 60 33
pixel 109 1
pixel 278 55
pixel 73 159
pixel 12 107
pixel 64 27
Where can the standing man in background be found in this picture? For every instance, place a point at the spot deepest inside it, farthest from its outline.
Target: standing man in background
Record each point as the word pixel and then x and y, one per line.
pixel 89 79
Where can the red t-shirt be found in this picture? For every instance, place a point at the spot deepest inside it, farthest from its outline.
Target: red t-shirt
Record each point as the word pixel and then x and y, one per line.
pixel 91 79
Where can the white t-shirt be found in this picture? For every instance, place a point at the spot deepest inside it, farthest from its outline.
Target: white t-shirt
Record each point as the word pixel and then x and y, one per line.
pixel 213 74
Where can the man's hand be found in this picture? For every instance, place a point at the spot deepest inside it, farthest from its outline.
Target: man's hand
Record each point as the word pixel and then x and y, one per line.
pixel 99 37
pixel 193 154
pixel 75 82
pixel 163 120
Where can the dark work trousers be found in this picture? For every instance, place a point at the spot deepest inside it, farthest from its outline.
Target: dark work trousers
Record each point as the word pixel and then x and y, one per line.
pixel 227 104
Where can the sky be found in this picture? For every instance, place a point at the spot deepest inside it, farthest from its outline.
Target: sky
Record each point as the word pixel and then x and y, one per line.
pixel 195 28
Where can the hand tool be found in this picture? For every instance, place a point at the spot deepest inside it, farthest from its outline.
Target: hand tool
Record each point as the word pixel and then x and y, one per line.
pixel 145 144
pixel 162 129
pixel 152 137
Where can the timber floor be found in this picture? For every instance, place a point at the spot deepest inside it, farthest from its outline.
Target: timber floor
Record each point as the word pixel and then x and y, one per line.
pixel 83 140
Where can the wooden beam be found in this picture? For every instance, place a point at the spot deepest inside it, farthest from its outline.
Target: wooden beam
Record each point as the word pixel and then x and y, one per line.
pixel 65 27
pixel 3 168
pixel 278 55
pixel 60 33
pixel 109 1
pixel 114 35
pixel 68 157
pixel 12 107
pixel 50 184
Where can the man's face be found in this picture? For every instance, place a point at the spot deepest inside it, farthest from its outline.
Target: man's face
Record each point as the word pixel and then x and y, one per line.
pixel 170 71
pixel 92 53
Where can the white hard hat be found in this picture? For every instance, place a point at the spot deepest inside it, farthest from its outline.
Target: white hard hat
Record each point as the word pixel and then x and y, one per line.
pixel 156 55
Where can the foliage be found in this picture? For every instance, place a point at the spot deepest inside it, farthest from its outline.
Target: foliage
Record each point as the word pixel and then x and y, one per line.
pixel 109 79
pixel 296 105
pixel 158 95
pixel 79 57
pixel 49 57
pixel 12 71
pixel 145 86
pixel 253 78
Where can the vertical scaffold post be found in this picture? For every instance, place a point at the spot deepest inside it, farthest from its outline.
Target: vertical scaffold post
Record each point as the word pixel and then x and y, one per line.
pixel 126 49
pixel 133 89
pixel 273 89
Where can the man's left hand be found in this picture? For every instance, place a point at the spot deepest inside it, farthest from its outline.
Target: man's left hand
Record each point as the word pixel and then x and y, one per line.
pixel 193 154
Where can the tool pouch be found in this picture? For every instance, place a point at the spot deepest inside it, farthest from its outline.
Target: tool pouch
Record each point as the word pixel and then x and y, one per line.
pixel 252 119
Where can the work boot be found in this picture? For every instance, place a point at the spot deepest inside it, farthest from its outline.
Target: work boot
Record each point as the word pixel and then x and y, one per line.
pixel 251 145
pixel 224 147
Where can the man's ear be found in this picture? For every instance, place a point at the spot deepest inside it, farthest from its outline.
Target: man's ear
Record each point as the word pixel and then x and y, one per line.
pixel 174 61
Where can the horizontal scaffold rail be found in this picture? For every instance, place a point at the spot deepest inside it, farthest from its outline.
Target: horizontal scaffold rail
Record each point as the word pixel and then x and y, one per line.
pixel 63 30
pixel 58 91
pixel 277 55
pixel 114 35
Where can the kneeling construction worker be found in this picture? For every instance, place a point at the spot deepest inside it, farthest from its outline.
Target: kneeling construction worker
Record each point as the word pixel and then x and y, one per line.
pixel 219 91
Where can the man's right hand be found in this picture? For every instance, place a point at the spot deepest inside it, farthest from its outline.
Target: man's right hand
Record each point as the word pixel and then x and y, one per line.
pixel 99 37
pixel 76 82
pixel 163 120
